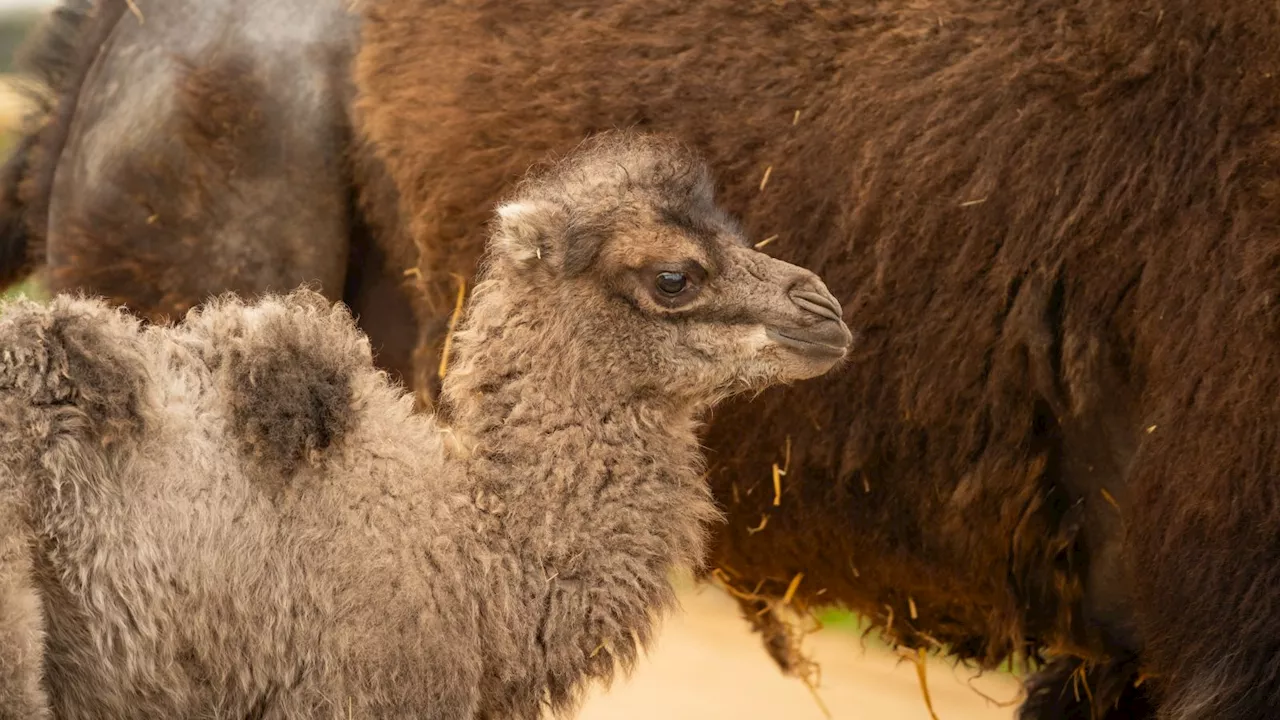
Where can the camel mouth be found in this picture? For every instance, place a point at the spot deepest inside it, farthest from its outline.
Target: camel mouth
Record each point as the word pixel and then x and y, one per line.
pixel 829 341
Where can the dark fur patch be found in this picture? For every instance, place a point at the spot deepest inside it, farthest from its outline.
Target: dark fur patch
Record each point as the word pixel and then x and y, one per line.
pixel 583 239
pixel 221 109
pixel 289 404
pixel 1070 689
pixel 76 356
pixel 287 369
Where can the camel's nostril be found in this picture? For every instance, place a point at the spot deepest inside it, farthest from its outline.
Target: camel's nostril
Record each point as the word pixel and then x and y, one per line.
pixel 820 304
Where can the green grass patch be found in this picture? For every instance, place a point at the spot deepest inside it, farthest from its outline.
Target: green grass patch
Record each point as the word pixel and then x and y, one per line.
pixel 29 287
pixel 836 619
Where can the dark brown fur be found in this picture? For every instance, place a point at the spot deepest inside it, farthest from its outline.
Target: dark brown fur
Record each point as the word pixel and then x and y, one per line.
pixel 1071 689
pixel 1055 224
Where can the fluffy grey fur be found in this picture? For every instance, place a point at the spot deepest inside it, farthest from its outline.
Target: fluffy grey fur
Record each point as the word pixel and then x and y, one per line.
pixel 238 516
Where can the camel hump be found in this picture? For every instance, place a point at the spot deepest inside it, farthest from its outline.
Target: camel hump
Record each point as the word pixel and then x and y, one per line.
pixel 79 362
pixel 286 369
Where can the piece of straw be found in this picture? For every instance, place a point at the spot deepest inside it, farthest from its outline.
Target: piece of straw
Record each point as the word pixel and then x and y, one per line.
pixel 765 180
pixel 922 674
pixel 453 324
pixel 766 241
pixel 813 690
pixel 137 11
pixel 791 589
pixel 720 575
pixel 764 520
pixel 1109 498
pixel 998 703
pixel 778 472
pixel 1080 678
pixel 777 485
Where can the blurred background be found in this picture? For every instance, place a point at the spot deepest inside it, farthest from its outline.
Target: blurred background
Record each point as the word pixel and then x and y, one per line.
pixel 16 18
pixel 707 663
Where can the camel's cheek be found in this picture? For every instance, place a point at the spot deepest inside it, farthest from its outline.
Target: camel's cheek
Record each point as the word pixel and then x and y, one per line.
pixel 756 341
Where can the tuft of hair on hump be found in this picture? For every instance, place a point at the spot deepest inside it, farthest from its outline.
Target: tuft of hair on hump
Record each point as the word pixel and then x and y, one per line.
pixel 561 212
pixel 286 365
pixel 79 356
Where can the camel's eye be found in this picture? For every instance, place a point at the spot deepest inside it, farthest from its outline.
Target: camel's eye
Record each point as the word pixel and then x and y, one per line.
pixel 672 283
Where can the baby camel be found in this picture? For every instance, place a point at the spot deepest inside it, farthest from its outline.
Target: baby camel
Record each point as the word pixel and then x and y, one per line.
pixel 239 517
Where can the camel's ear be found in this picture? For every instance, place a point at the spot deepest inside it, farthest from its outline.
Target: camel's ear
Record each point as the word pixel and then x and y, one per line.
pixel 525 228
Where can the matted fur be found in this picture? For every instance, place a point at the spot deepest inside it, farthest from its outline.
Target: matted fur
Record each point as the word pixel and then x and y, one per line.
pixel 1055 224
pixel 240 516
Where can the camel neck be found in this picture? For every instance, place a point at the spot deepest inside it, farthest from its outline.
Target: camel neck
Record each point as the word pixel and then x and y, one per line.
pixel 600 502
pixel 598 492
pixel 567 464
pixel 547 415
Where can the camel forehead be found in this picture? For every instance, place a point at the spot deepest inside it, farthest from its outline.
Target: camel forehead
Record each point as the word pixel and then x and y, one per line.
pixel 617 172
pixel 637 223
pixel 661 244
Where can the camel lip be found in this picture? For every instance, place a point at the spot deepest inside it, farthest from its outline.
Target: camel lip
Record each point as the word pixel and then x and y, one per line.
pixel 813 344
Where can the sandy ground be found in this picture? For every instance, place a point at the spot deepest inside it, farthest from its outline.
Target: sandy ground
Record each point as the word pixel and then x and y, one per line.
pixel 708 664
